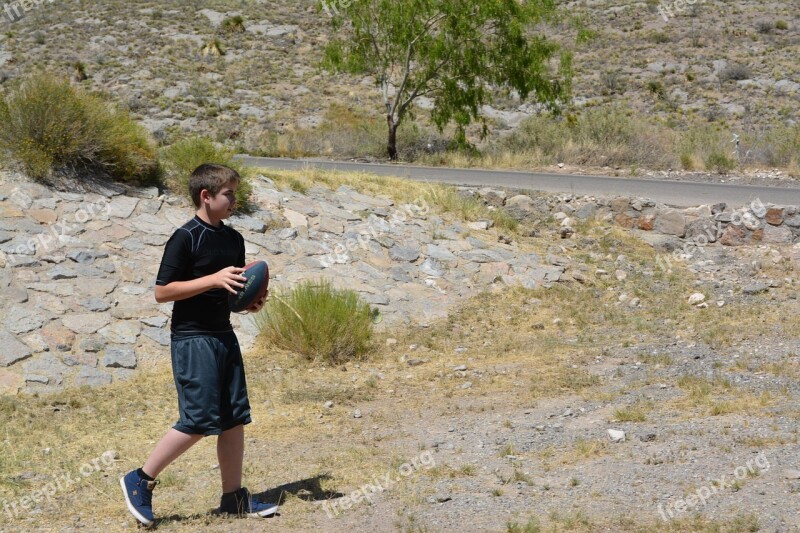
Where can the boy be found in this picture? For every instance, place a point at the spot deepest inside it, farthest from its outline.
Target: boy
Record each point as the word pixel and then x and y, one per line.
pixel 202 263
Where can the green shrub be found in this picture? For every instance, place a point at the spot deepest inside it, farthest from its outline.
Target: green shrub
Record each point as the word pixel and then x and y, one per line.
pixel 658 37
pixel 720 162
pixel 233 24
pixel 598 136
pixel 764 26
pixel 50 127
pixel 318 321
pixel 735 72
pixel 781 25
pixel 180 159
pixel 347 133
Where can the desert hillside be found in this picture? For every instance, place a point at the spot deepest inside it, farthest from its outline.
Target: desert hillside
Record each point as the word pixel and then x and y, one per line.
pixel 729 64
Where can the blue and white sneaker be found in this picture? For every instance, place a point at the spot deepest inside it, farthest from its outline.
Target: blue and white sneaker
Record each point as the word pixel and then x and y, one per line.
pixel 139 496
pixel 242 504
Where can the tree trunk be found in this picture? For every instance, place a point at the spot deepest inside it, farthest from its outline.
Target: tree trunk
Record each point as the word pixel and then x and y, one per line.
pixel 392 144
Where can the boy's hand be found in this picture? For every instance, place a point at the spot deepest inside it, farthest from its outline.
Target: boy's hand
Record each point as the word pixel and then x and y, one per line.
pixel 229 278
pixel 256 307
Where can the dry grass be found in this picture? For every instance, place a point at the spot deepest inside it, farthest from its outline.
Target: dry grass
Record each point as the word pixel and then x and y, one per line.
pixel 522 347
pixel 437 197
pixel 717 396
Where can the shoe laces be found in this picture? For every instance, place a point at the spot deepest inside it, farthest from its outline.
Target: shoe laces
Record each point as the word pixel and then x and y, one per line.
pixel 147 492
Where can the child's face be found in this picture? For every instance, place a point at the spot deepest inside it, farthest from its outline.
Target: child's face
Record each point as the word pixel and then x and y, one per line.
pixel 221 206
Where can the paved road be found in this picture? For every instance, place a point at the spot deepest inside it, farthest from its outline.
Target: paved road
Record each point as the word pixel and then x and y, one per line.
pixel 676 193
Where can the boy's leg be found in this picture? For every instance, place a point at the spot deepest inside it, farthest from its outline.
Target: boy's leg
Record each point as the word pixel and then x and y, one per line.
pixel 137 485
pixel 230 453
pixel 170 447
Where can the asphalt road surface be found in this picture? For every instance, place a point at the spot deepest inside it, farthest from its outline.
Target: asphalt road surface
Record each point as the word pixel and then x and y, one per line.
pixel 670 192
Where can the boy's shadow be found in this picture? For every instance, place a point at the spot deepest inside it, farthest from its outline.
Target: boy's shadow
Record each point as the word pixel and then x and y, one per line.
pixel 306 489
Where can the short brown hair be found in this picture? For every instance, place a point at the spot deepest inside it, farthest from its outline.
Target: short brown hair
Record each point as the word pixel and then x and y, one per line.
pixel 212 178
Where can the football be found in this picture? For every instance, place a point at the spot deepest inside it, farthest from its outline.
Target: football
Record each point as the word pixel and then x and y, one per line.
pixel 255 287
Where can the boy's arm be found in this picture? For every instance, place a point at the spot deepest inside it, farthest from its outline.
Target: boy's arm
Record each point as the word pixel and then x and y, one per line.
pixel 228 278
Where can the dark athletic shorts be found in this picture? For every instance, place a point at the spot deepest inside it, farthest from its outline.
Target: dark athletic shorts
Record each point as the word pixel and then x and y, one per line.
pixel 209 376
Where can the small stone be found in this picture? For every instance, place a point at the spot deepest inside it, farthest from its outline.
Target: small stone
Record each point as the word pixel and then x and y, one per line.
pixel 401 253
pixel 648 437
pixel 328 404
pixel 696 298
pixel 357 413
pixel 86 256
pixel 119 357
pixel 792 474
pixel 755 288
pixel 621 275
pixel 416 362
pixel 467 385
pixel 460 368
pixel 391 342
pixel 616 435
pixel 92 377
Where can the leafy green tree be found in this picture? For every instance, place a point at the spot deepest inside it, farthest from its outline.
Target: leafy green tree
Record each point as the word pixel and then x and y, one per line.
pixel 455 52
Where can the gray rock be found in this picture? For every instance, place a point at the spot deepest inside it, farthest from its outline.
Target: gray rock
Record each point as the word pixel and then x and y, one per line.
pixel 432 267
pixel 150 207
pixel 37 378
pixel 92 377
pixel 329 225
pixel 400 275
pixel 248 223
pixel 477 243
pixel 86 257
pixel 494 197
pixel 119 357
pixel 92 344
pixel 122 331
pixel 121 206
pixel 701 231
pixel 793 221
pixel 155 321
pixel 95 304
pixel 440 253
pixel 132 244
pixel 777 235
pixel 375 299
pixel 150 224
pixel 671 222
pixel 547 274
pixel 22 320
pixel 13 350
pixel 21 245
pixel 159 335
pixel 483 256
pixel 586 212
pixel 402 253
pixel 47 365
pixel 286 233
pixel 14 295
pixel 62 272
pixel 755 288
pixel 86 323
